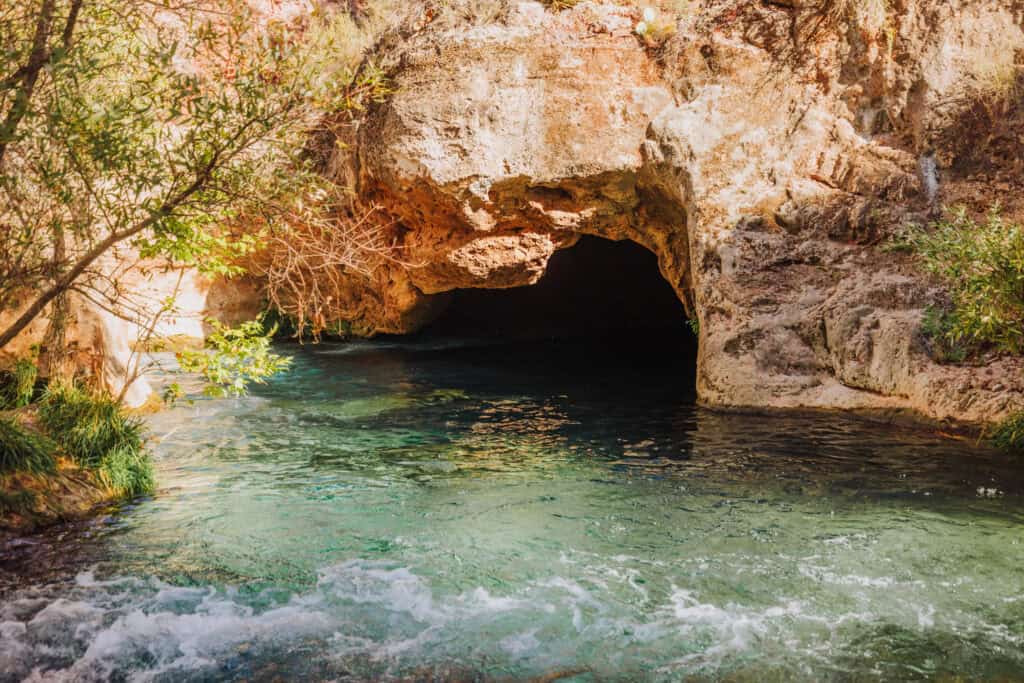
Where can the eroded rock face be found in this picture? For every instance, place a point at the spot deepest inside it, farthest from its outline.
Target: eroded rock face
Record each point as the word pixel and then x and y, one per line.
pixel 764 179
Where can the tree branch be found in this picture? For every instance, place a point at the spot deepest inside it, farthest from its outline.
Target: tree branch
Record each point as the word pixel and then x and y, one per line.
pixel 229 149
pixel 36 61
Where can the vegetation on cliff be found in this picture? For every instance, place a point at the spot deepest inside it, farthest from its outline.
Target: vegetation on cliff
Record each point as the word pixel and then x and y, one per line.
pixel 981 264
pixel 132 131
pixel 124 124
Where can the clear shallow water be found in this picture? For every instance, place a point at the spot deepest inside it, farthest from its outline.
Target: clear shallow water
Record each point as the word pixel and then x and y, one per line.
pixel 421 511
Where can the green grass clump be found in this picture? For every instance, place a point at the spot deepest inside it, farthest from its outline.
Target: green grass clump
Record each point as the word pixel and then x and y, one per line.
pixel 93 429
pixel 982 266
pixel 128 470
pixel 21 450
pixel 17 387
pixel 87 425
pixel 1009 434
pixel 937 325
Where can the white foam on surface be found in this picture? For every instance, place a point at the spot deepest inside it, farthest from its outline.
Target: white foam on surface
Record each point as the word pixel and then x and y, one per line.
pixel 385 620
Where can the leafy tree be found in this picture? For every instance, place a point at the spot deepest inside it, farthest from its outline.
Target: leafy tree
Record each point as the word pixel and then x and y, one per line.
pixel 153 127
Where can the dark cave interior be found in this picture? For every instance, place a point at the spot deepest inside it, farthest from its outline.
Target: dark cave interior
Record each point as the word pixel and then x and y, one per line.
pixel 597 288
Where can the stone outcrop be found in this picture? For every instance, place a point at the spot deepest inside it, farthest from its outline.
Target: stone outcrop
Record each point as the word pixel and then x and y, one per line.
pixel 764 161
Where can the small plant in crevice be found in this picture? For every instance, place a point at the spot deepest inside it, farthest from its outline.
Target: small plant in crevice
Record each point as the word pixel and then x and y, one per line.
pixel 1009 434
pixel 694 325
pixel 22 450
pixel 655 28
pixel 981 264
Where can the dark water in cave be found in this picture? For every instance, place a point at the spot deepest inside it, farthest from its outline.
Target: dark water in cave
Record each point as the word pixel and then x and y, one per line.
pixel 446 508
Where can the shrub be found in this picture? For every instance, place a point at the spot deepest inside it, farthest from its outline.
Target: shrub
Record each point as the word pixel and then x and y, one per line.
pixel 1009 434
pixel 982 265
pixel 18 386
pixel 22 450
pixel 936 326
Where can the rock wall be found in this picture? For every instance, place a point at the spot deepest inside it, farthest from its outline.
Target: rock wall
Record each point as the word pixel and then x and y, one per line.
pixel 764 161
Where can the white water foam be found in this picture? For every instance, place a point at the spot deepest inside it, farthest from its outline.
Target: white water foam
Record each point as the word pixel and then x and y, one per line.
pixel 385 620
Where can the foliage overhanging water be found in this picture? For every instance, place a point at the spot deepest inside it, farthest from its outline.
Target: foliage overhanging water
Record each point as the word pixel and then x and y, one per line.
pixel 409 511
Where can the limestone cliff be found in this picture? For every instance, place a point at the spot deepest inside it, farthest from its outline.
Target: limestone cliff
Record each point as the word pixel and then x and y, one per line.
pixel 763 157
pixel 765 153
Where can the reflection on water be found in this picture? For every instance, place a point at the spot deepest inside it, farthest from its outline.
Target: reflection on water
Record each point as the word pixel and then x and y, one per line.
pixel 421 512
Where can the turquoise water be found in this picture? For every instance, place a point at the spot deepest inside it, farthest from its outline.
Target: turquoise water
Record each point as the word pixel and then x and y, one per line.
pixel 441 511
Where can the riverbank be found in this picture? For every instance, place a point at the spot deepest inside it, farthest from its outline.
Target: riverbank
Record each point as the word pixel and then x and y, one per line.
pixel 64 452
pixel 30 502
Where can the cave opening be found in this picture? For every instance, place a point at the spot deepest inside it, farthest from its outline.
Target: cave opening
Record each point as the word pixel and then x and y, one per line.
pixel 602 303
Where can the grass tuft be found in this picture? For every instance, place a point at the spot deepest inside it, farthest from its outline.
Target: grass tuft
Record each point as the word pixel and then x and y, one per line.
pixel 87 425
pixel 94 430
pixel 1008 435
pixel 22 450
pixel 17 386
pixel 128 470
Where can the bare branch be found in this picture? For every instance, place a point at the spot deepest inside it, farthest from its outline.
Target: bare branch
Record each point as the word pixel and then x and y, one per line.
pixel 309 266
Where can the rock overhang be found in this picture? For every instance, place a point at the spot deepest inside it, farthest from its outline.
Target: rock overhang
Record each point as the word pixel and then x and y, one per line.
pixel 752 183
